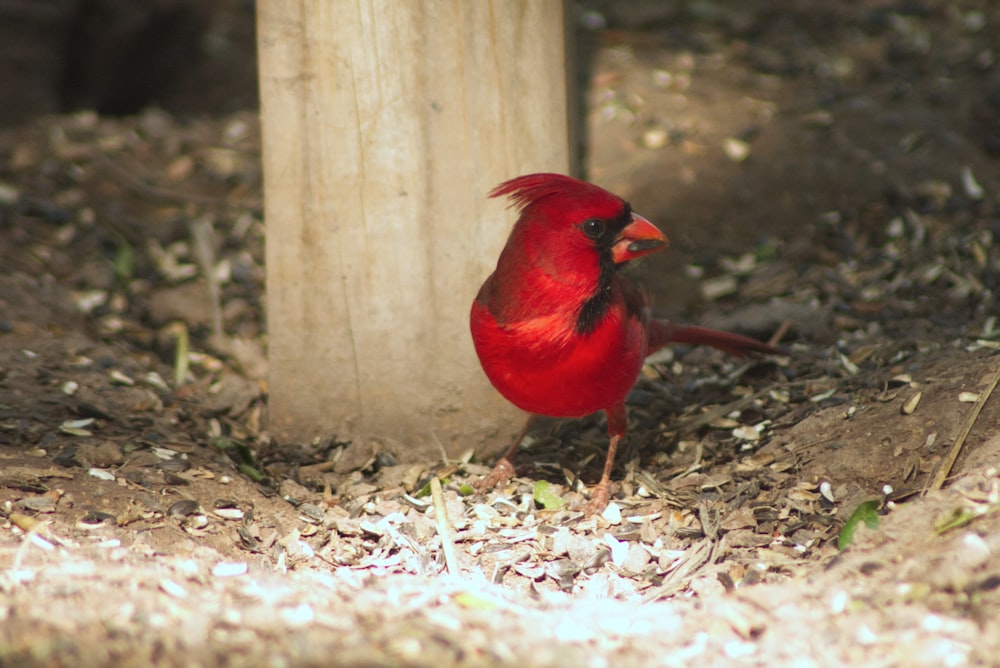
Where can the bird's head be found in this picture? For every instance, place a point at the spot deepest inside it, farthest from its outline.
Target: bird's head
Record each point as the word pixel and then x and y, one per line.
pixel 567 223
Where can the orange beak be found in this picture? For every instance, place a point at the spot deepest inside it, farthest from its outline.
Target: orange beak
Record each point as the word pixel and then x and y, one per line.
pixel 638 238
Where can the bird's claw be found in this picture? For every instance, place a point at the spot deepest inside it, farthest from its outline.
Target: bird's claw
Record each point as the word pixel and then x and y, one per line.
pixel 599 499
pixel 501 474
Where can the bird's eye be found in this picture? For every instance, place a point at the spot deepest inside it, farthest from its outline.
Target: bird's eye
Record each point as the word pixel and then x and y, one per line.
pixel 593 228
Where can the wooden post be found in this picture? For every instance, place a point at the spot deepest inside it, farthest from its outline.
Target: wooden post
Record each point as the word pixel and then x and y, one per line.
pixel 384 125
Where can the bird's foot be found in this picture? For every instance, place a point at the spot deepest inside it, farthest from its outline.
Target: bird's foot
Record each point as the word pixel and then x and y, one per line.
pixel 501 474
pixel 599 498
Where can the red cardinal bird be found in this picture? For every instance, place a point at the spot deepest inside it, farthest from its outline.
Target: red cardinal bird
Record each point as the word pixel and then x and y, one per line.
pixel 558 331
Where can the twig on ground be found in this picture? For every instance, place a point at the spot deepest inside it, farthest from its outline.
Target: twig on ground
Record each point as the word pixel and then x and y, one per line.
pixel 444 527
pixel 203 236
pixel 949 461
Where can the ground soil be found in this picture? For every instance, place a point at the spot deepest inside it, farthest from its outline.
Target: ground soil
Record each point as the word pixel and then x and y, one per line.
pixel 825 171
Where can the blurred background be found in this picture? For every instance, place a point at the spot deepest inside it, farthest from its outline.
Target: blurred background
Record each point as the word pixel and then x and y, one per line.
pixel 787 131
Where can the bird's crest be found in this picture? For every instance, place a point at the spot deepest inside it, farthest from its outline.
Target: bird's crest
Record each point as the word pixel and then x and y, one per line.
pixel 535 188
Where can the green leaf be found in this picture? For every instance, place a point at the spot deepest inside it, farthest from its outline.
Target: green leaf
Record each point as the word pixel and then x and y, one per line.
pixel 241 454
pixel 181 353
pixel 546 496
pixel 425 490
pixel 250 472
pixel 867 512
pixel 124 262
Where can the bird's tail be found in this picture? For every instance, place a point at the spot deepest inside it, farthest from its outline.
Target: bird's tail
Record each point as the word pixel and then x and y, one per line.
pixel 662 332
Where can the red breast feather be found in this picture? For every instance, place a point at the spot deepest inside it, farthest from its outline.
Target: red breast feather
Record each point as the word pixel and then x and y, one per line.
pixel 527 322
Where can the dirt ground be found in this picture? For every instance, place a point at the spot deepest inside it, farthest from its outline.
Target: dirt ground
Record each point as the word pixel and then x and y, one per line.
pixel 828 171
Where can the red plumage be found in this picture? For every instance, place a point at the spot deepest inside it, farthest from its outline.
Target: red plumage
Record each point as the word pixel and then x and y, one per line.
pixel 558 330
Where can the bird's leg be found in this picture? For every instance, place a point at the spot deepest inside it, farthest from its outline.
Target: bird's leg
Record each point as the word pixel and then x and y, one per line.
pixel 504 469
pixel 601 493
pixel 617 425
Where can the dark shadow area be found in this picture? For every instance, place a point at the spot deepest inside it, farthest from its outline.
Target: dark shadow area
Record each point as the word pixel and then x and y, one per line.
pixel 789 129
pixel 118 57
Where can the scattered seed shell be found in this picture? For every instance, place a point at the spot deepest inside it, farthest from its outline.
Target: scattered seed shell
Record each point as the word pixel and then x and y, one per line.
pixel 750 432
pixel 176 465
pixel 95 519
pixel 156 380
pixel 724 423
pixel 40 542
pixel 911 404
pixel 173 589
pixel 719 286
pixel 165 453
pixel 612 514
pixel 183 508
pixel 9 194
pixel 37 504
pixel 89 300
pixel 970 185
pixel 781 396
pixel 76 427
pixel 850 367
pixel 655 137
pixel 415 502
pixel 821 118
pixel 968 397
pixel 735 149
pixel 619 549
pixel 225 569
pixel 823 396
pixel 119 378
